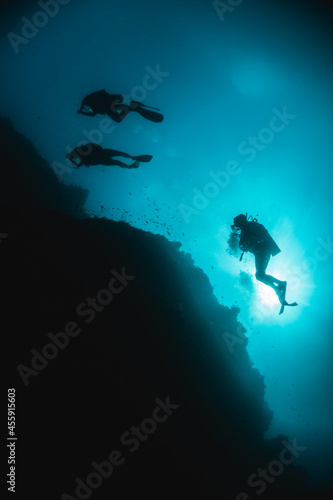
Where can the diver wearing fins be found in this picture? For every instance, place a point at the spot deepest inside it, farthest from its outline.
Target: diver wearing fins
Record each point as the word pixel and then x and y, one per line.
pixel 94 154
pixel 255 238
pixel 101 102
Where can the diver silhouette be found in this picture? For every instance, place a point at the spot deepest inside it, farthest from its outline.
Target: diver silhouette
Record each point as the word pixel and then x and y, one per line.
pixel 255 238
pixel 102 103
pixel 94 154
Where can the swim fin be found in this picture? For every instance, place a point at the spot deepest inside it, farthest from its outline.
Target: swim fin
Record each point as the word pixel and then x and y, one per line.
pixel 142 158
pixel 138 103
pixel 153 116
pixel 282 298
pixel 287 304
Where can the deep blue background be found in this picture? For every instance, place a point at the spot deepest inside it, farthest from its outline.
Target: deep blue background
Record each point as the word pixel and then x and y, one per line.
pixel 223 81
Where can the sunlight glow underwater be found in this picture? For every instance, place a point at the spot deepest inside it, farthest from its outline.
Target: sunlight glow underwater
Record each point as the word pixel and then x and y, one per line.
pixel 224 80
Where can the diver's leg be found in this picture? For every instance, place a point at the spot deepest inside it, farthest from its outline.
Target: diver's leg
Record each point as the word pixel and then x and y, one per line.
pixel 277 285
pixel 261 262
pixel 114 116
pixel 123 108
pixel 118 112
pixel 275 280
pixel 115 152
pixel 119 163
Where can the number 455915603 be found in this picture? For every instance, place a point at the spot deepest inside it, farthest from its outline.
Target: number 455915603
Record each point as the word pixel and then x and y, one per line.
pixel 11 411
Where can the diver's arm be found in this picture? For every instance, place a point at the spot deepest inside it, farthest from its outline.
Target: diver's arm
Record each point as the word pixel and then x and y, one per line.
pixel 242 240
pixel 73 159
pixel 87 113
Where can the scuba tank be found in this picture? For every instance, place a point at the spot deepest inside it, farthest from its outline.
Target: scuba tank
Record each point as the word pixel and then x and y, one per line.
pixel 255 234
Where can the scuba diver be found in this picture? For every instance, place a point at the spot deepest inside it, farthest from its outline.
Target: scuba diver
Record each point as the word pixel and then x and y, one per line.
pixel 102 103
pixel 255 238
pixel 93 154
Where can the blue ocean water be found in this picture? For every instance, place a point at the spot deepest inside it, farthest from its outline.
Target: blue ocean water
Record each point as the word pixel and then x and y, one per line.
pixel 246 95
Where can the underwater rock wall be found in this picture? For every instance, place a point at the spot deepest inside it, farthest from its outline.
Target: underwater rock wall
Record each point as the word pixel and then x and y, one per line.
pixel 106 327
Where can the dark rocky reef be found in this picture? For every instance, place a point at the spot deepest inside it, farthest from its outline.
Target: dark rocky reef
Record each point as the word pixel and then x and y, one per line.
pixel 162 335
